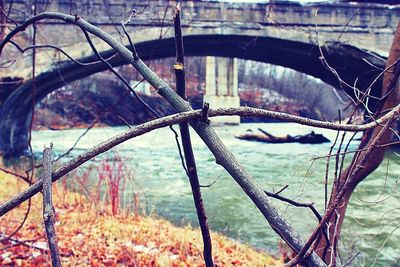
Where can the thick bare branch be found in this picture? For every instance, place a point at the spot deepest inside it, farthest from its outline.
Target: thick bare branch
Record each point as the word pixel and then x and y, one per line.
pixel 147 127
pixel 191 168
pixel 48 210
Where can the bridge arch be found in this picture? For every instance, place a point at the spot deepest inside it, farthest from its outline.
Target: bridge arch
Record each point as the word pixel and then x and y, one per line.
pixel 353 65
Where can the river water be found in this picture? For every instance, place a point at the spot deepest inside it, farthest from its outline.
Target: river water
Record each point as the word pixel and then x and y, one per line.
pixel 372 219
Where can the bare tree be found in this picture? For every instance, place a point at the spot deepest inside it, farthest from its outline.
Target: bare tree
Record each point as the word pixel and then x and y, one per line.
pixel 368 158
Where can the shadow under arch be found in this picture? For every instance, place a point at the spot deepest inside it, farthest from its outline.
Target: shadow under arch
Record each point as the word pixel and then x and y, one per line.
pixel 354 66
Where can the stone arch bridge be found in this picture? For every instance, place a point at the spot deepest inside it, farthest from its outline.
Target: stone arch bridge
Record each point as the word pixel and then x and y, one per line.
pixel 354 40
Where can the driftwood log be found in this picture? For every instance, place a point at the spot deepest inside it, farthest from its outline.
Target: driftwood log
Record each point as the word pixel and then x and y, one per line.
pixel 263 136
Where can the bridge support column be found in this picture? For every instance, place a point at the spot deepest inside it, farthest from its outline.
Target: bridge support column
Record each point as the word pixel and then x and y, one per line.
pixel 222 87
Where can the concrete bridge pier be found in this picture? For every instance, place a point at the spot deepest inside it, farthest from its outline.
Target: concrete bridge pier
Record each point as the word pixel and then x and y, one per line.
pixel 222 87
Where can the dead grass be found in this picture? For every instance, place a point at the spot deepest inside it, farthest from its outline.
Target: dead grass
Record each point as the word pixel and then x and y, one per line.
pixel 92 236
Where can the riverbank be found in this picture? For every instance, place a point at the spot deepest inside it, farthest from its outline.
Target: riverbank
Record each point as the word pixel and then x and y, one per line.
pixel 115 108
pixel 89 235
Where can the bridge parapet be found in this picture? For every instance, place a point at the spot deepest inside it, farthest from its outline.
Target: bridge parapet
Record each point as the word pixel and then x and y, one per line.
pixel 280 12
pixel 368 26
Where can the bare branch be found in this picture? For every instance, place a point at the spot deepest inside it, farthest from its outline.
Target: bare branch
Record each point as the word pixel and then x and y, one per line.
pixel 295 203
pixel 21 224
pixel 155 124
pixel 17 242
pixel 282 189
pixel 48 209
pixel 191 169
pixel 135 54
pixel 23 50
pixel 212 183
pixel 33 101
pixel 328 158
pixel 25 179
pixel 8 17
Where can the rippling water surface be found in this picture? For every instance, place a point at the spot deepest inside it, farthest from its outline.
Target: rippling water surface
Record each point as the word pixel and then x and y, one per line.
pixel 372 219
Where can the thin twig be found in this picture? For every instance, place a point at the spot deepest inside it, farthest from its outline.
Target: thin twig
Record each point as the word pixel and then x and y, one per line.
pixel 23 50
pixel 17 242
pixel 328 158
pixel 345 153
pixel 281 190
pixel 349 261
pixel 295 203
pixel 25 179
pixel 337 160
pixel 8 17
pixel 96 121
pixel 124 81
pixel 21 224
pixel 357 150
pixel 212 183
pixel 134 52
pixel 33 101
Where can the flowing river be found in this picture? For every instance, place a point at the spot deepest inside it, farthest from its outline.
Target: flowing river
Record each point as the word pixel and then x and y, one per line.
pixel 370 231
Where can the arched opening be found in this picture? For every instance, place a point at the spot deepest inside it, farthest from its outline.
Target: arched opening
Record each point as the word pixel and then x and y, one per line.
pixel 352 65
